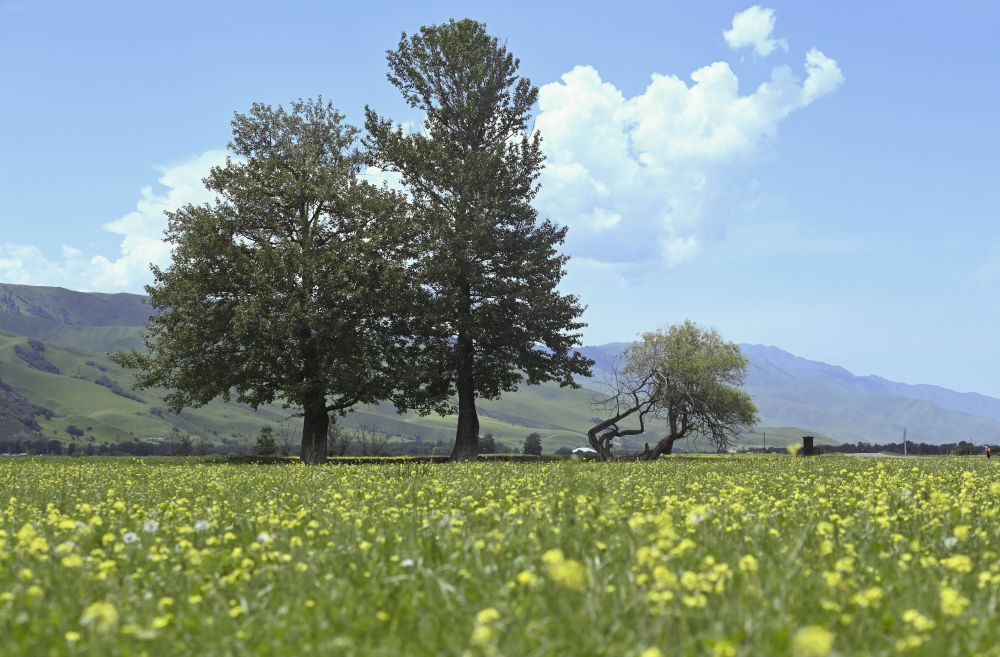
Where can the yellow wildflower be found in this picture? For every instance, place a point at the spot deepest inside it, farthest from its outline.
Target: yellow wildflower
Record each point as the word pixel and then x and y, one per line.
pixel 812 641
pixel 102 616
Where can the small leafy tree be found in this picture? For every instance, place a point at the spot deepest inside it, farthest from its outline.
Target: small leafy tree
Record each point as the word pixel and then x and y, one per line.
pixel 372 440
pixel 631 398
pixel 265 445
pixel 203 447
pixel 688 376
pixel 533 444
pixel 964 448
pixel 285 443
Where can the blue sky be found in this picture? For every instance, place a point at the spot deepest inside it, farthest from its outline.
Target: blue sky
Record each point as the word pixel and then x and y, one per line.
pixel 827 185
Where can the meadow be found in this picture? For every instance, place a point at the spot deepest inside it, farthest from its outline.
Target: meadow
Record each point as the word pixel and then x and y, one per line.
pixel 684 556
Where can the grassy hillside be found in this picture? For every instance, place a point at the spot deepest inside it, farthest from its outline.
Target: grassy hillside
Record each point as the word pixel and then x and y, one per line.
pixel 76 387
pixel 82 388
pixel 796 396
pixel 99 322
pixel 86 390
pixel 73 380
pixel 62 306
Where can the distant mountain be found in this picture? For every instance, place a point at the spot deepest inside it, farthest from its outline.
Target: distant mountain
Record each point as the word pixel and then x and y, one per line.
pixel 54 374
pixel 970 403
pixel 604 356
pixel 852 408
pixel 99 322
pixel 826 399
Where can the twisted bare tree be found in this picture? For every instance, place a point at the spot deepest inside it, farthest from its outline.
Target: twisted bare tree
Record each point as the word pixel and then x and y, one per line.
pixel 631 397
pixel 687 376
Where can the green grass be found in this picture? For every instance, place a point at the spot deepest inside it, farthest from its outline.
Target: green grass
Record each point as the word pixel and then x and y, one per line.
pixel 731 556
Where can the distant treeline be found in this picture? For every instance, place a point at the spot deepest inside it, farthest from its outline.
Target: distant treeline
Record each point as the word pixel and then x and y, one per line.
pixel 373 443
pixel 960 448
pixel 45 447
pixel 362 443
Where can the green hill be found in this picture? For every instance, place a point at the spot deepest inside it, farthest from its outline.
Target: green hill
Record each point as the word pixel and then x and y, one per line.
pixel 99 322
pixel 70 378
pixel 75 387
pixel 78 386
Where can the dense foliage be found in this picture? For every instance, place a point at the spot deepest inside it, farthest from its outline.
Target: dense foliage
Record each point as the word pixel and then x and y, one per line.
pixel 732 556
pixel 292 286
pixel 533 444
pixel 494 317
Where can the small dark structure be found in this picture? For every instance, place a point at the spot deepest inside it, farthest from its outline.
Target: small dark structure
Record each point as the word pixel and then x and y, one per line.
pixel 807 446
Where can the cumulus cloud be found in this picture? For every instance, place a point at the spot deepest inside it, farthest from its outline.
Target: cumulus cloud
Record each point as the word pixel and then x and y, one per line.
pixel 753 27
pixel 649 177
pixel 142 238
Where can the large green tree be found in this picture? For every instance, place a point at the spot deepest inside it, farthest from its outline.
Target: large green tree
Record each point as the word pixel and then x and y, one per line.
pixel 688 376
pixel 494 318
pixel 292 286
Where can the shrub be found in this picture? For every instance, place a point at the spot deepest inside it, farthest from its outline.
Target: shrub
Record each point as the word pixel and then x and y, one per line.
pixel 533 444
pixel 265 445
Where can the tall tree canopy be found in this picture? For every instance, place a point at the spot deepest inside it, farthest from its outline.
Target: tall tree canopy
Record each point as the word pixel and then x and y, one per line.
pixel 291 286
pixel 494 318
pixel 688 376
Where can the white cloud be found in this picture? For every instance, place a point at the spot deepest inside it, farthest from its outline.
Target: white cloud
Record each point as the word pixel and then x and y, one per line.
pixel 753 27
pixel 650 177
pixel 142 238
pixel 382 178
pixel 824 76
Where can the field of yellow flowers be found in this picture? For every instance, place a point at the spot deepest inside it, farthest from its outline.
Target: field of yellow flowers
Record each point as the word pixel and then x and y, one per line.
pixel 685 556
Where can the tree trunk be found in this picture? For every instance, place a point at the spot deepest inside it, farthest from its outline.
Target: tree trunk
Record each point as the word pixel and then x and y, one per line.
pixel 602 447
pixel 664 446
pixel 467 433
pixel 315 424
